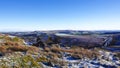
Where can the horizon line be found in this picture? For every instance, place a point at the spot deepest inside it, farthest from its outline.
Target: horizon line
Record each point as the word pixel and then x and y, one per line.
pixel 55 30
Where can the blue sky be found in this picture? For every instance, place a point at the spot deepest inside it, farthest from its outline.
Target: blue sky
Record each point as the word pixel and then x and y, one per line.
pixel 30 15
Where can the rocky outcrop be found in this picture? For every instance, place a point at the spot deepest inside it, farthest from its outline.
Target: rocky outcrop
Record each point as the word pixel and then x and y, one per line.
pixel 39 43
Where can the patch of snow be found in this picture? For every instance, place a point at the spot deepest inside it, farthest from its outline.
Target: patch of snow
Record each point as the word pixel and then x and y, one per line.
pixel 11 36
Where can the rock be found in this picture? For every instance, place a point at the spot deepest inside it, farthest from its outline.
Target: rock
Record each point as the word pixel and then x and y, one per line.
pixel 39 43
pixel 1 54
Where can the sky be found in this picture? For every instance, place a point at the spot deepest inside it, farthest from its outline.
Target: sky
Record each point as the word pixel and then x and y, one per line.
pixel 30 15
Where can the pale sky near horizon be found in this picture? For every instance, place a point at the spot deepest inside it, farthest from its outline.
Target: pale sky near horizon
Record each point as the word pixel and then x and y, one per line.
pixel 30 15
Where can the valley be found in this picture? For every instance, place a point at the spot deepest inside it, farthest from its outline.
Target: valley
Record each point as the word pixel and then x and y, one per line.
pixel 60 49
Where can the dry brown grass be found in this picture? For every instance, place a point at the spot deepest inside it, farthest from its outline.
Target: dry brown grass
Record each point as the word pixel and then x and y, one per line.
pixel 7 40
pixel 81 52
pixel 2 49
pixel 11 43
pixel 47 49
pixel 19 48
pixel 33 48
pixel 75 52
pixel 55 49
